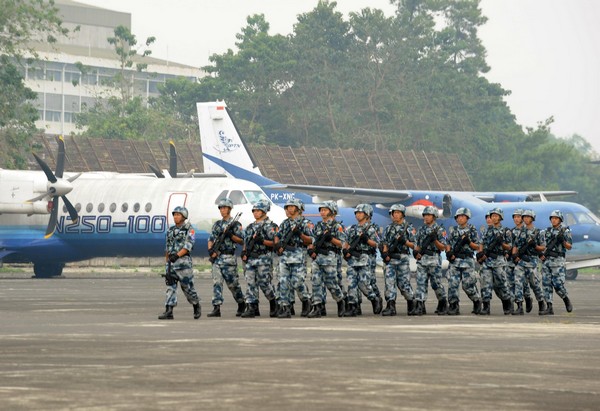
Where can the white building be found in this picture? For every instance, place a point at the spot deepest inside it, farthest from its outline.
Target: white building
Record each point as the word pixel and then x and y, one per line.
pixel 63 89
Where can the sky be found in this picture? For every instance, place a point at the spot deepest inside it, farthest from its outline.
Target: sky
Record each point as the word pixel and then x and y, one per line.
pixel 545 52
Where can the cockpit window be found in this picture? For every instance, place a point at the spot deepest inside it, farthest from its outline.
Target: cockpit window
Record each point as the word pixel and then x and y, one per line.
pixel 220 196
pixel 581 218
pixel 237 197
pixel 253 196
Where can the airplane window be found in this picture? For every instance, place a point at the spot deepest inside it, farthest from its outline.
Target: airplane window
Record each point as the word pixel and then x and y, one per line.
pixel 113 207
pixel 136 207
pixel 100 207
pixel 124 207
pixel 254 196
pixel 570 219
pixel 585 218
pixel 78 207
pixel 89 207
pixel 220 196
pixel 237 197
pixel 148 207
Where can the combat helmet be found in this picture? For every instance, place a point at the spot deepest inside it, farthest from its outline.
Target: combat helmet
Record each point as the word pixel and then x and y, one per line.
pixel 529 213
pixel 498 211
pixel 331 205
pixel 430 210
pixel 557 213
pixel 181 210
pixel 398 207
pixel 365 208
pixel 295 202
pixel 225 202
pixel 518 211
pixel 463 211
pixel 262 205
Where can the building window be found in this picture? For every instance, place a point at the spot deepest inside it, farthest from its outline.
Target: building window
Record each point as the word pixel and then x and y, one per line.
pixel 53 116
pixel 53 75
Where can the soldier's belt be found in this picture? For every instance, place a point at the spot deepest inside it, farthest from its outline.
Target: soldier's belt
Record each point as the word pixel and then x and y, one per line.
pixel 555 254
pixel 228 252
pixel 397 256
pixel 463 256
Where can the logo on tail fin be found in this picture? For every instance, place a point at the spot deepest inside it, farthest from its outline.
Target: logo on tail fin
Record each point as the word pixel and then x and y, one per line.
pixel 226 144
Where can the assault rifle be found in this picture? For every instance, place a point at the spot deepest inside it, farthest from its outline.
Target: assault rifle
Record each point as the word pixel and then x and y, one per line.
pixel 523 251
pixel 430 238
pixel 216 247
pixel 455 251
pixel 170 275
pixel 250 246
pixel 558 239
pixel 393 248
pixel 481 257
pixel 318 245
pixel 352 250
pixel 285 241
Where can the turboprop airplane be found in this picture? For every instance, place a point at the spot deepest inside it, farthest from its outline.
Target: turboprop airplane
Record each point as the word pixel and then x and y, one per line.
pixel 224 151
pixel 113 214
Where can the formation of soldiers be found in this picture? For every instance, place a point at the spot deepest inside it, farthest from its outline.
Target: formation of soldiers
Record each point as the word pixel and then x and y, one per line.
pixel 509 262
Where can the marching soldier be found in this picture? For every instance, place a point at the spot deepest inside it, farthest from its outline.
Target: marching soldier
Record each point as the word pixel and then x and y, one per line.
pixel 328 239
pixel 510 264
pixel 290 242
pixel 398 239
pixel 495 243
pixel 430 241
pixel 226 234
pixel 180 241
pixel 462 242
pixel 558 241
pixel 258 257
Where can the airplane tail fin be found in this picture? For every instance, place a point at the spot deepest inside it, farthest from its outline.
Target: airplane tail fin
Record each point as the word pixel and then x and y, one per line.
pixel 221 142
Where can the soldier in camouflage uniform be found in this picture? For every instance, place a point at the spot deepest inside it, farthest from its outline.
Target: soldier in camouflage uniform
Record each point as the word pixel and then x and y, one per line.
pixel 224 262
pixel 462 242
pixel 398 239
pixel 295 233
pixel 361 239
pixel 495 243
pixel 179 244
pixel 558 241
pixel 430 241
pixel 510 264
pixel 529 242
pixel 329 236
pixel 258 258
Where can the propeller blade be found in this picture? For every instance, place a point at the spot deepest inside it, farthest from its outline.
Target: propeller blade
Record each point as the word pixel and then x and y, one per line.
pixel 53 218
pixel 60 160
pixel 72 212
pixel 73 178
pixel 38 198
pixel 49 174
pixel 156 171
pixel 172 159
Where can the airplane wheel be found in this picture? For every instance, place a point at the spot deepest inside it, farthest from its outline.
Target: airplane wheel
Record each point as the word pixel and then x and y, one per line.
pixel 48 270
pixel 571 275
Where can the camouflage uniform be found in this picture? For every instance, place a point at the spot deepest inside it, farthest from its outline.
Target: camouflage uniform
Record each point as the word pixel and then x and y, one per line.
pixel 525 270
pixel 510 272
pixel 292 263
pixel 397 270
pixel 258 269
pixel 373 262
pixel 462 267
pixel 493 269
pixel 225 265
pixel 177 239
pixel 429 266
pixel 324 266
pixel 553 268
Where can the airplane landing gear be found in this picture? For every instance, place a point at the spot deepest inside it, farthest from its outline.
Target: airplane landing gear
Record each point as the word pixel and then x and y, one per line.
pixel 47 270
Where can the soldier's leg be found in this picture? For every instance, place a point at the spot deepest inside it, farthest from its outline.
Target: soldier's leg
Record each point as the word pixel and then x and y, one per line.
pixel 284 284
pixel 390 275
pixel 486 283
pixel 171 295
pixel 230 275
pixel 250 273
pixel 372 273
pixel 217 277
pixel 453 284
pixel 421 294
pixel 500 283
pixel 534 281
pixel 469 284
pixel 330 279
pixel 558 281
pixel 264 279
pixel 519 275
pixel 318 283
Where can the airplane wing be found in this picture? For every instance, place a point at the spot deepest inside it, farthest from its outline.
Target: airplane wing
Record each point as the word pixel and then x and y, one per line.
pixel 521 195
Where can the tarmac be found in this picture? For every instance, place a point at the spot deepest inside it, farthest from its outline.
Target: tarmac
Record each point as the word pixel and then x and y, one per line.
pixel 92 341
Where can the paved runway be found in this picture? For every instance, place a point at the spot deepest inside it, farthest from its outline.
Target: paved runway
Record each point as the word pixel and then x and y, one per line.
pixel 93 341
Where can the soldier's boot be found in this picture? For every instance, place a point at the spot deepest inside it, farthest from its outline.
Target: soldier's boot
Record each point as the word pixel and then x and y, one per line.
pixel 568 304
pixel 545 311
pixel 241 309
pixel 507 306
pixel 420 308
pixel 315 312
pixel 528 304
pixel 284 312
pixel 519 309
pixel 437 309
pixel 250 311
pixel 168 314
pixel 216 312
pixel 341 307
pixel 323 310
pixel 305 307
pixel 485 310
pixel 197 311
pixel 454 309
pixel 476 307
pixel 256 310
pixel 423 308
pixel 350 311
pixel 377 304
pixel 442 307
pixel 273 308
pixel 292 311
pixel 390 309
pixel 358 309
pixel 410 306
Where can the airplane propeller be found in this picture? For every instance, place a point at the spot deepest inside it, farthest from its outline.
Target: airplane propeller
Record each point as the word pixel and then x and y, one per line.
pixel 57 187
pixel 172 164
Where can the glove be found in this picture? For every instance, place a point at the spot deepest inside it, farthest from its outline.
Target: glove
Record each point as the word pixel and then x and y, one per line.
pixel 480 256
pixel 465 240
pixel 416 253
pixel 328 237
pixel 170 281
pixel 364 238
pixel 228 234
pixel 560 238
pixel 385 257
pixel 173 257
pixel 449 255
